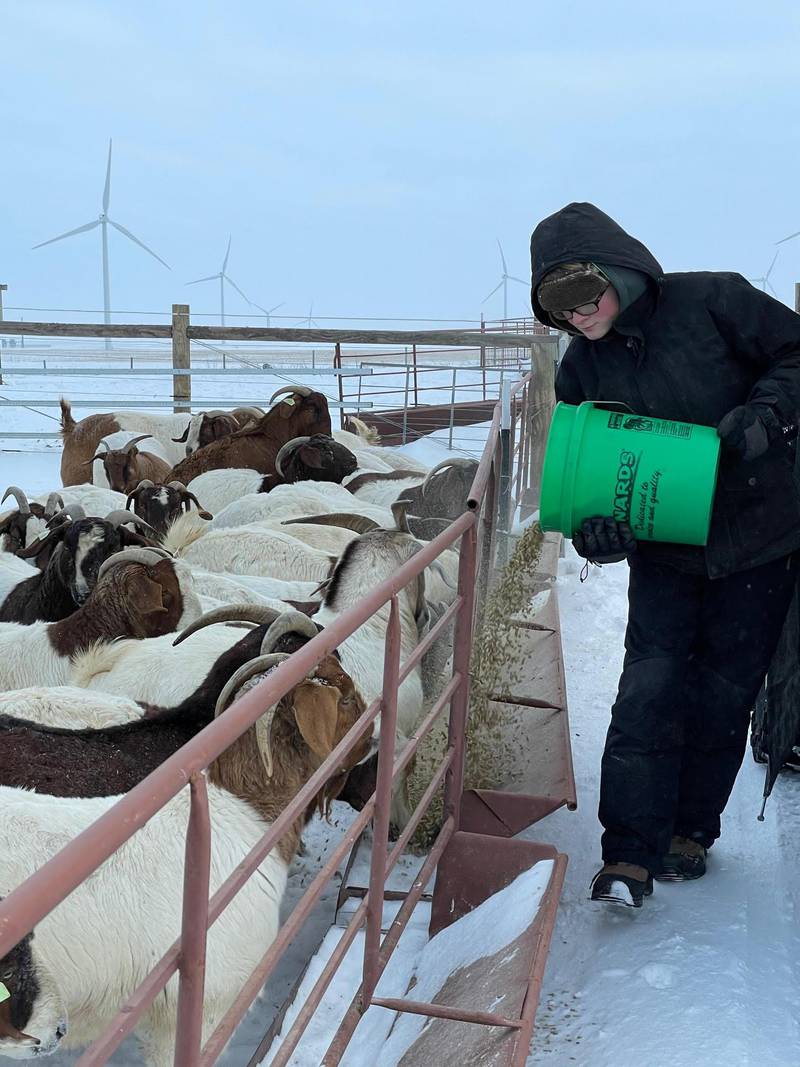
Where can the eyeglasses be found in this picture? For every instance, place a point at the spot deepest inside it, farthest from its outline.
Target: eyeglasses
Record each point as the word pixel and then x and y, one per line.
pixel 581 309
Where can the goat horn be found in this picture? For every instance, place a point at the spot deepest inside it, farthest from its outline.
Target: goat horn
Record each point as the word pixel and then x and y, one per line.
pixel 149 556
pixel 120 518
pixel 345 519
pixel 263 724
pixel 19 496
pixel 145 483
pixel 284 451
pixel 98 455
pixel 287 623
pixel 400 513
pixel 184 436
pixel 71 512
pixel 254 413
pixel 244 674
pixel 301 390
pixel 174 485
pixel 54 502
pixel 135 441
pixel 35 547
pixel 255 613
pixel 456 461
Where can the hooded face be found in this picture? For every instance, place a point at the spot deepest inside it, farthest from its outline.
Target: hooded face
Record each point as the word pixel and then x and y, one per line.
pixel 581 232
pixel 598 323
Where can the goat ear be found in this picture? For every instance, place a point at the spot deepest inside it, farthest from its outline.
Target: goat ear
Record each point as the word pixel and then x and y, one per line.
pixel 316 711
pixel 310 456
pixel 224 424
pixel 148 596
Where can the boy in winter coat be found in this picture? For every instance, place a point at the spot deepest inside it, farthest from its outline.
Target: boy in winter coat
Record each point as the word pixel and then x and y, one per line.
pixel 703 623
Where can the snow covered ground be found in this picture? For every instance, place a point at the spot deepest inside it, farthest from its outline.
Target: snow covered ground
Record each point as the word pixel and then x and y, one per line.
pixel 708 972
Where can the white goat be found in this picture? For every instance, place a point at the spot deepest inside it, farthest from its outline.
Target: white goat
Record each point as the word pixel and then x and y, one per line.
pixel 85 969
pixel 67 706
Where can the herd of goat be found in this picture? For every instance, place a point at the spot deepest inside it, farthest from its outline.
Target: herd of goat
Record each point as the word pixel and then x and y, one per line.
pixel 183 558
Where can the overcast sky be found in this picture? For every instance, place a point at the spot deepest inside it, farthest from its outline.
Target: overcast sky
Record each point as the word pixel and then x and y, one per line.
pixel 367 156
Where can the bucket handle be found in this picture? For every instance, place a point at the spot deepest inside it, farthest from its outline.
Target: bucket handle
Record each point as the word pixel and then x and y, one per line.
pixel 613 405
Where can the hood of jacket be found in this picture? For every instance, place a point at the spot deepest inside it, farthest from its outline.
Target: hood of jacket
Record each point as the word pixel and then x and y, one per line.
pixel 582 232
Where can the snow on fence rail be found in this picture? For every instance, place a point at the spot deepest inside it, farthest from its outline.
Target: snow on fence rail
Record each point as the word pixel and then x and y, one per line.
pixel 29 903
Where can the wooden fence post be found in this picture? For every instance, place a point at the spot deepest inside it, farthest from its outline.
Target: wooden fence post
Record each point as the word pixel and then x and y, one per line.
pixel 181 360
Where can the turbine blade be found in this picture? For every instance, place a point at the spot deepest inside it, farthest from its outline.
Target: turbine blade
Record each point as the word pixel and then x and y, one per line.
pixel 230 281
pixel 500 286
pixel 107 187
pixel 210 278
pixel 772 264
pixel 276 307
pixel 69 233
pixel 502 257
pixel 514 278
pixel 771 289
pixel 227 253
pixel 136 241
pixel 791 237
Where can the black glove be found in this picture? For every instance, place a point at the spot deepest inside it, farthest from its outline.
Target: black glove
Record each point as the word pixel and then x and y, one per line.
pixel 604 540
pixel 750 429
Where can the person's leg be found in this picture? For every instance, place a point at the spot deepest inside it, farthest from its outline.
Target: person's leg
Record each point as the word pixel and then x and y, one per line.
pixel 642 759
pixel 741 620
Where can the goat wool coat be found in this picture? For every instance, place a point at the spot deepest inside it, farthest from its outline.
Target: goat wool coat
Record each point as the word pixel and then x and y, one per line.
pixel 691 348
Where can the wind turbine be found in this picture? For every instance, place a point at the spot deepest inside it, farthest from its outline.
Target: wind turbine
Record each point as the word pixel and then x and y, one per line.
pixel 223 277
pixel 309 321
pixel 104 221
pixel 503 283
pixel 764 281
pixel 791 237
pixel 268 311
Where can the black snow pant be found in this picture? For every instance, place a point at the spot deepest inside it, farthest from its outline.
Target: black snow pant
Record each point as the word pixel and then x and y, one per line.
pixel 697 652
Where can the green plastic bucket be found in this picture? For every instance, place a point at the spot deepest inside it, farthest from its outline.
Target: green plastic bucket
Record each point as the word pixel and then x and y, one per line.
pixel 659 476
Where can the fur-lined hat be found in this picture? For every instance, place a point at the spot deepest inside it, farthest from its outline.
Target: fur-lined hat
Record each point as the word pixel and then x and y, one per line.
pixel 571 285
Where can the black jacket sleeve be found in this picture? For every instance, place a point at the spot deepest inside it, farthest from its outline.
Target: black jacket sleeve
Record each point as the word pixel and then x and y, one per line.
pixel 761 329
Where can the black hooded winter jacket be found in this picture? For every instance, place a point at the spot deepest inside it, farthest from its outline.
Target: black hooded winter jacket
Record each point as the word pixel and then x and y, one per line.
pixel 691 348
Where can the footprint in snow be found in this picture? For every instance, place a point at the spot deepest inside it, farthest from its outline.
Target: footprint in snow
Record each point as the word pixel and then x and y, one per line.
pixel 657 975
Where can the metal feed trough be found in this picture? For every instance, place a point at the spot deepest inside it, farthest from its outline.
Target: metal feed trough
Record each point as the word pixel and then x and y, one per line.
pixel 472 857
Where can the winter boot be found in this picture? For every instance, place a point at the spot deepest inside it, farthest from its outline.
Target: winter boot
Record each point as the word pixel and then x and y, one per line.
pixel 685 861
pixel 622 883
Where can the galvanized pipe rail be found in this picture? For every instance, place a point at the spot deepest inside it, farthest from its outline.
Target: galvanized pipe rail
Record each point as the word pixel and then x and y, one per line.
pixel 27 905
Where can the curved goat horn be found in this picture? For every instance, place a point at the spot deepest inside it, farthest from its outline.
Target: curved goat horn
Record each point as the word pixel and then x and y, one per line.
pixel 149 556
pixel 184 436
pixel 456 461
pixel 361 524
pixel 135 441
pixel 286 449
pixel 263 724
pixel 145 483
pixel 54 503
pixel 72 512
pixel 400 513
pixel 35 547
pixel 255 613
pixel 301 390
pixel 120 518
pixel 19 496
pixel 290 622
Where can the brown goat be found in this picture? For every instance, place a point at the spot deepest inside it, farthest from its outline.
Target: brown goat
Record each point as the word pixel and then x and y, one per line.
pixel 126 467
pixel 208 426
pixel 82 439
pixel 301 413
